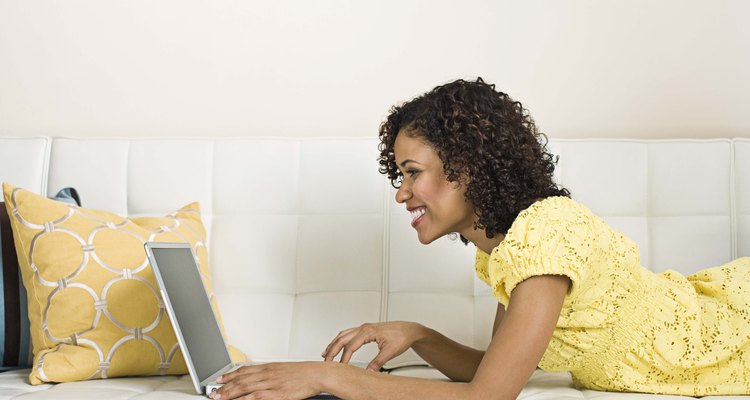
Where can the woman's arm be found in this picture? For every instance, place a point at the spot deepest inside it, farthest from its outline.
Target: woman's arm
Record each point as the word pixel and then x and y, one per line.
pixel 454 360
pixel 522 337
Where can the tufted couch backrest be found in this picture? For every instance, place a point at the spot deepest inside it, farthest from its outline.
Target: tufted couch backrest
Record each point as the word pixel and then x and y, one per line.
pixel 305 238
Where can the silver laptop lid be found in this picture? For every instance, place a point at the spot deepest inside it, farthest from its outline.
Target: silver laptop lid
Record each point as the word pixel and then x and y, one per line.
pixel 190 312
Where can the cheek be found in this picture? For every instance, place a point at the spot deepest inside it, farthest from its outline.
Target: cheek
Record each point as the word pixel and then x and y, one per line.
pixel 456 200
pixel 453 192
pixel 438 192
pixel 424 191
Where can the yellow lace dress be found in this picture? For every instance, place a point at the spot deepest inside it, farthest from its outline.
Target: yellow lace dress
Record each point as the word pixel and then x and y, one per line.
pixel 623 327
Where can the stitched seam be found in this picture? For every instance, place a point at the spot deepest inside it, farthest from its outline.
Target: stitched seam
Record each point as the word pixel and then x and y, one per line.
pixel 385 297
pixel 732 201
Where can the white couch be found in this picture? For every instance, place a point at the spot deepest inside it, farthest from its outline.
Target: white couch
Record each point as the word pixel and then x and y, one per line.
pixel 305 238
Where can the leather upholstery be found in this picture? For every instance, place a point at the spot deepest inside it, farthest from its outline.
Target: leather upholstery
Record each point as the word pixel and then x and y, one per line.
pixel 305 237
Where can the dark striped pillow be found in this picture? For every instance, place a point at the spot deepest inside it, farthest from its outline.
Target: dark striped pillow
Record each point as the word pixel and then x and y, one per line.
pixel 15 342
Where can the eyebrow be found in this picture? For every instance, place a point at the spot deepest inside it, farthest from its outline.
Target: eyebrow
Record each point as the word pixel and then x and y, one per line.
pixel 403 163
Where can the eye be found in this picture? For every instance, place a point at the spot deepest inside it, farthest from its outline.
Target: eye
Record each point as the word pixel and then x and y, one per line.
pixel 412 172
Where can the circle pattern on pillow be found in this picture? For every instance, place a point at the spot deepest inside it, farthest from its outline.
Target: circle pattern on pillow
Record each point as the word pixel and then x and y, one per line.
pixel 94 306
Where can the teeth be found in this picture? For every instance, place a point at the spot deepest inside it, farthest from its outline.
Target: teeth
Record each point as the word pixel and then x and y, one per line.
pixel 417 213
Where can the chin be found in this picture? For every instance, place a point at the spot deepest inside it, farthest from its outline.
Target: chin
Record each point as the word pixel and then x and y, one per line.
pixel 427 239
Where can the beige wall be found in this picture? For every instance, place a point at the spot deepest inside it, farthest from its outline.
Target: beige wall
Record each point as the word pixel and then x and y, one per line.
pixel 598 68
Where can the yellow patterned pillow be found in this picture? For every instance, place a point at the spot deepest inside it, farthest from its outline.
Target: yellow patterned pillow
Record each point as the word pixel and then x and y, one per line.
pixel 93 301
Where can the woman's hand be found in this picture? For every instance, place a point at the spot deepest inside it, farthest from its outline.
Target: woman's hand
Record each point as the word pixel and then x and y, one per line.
pixel 273 381
pixel 393 338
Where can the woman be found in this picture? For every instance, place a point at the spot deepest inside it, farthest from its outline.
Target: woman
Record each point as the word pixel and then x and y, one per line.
pixel 572 295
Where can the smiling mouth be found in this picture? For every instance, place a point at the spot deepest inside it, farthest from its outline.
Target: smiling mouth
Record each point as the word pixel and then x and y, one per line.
pixel 416 216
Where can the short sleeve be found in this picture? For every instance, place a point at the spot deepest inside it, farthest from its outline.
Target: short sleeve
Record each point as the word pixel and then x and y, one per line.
pixel 553 237
pixel 480 266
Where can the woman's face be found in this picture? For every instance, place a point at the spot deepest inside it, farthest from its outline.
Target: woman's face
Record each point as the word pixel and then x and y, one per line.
pixel 438 207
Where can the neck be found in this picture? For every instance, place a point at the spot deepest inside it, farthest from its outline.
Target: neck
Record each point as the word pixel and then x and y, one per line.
pixel 480 239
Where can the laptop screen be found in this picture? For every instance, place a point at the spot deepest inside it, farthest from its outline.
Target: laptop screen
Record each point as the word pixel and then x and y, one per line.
pixel 194 316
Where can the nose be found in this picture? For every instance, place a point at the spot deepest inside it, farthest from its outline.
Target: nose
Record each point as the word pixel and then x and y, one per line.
pixel 403 194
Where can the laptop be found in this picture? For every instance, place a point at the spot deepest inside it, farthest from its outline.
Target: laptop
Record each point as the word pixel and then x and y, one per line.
pixel 192 317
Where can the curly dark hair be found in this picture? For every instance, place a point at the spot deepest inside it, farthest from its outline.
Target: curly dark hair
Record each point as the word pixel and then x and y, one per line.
pixel 481 134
